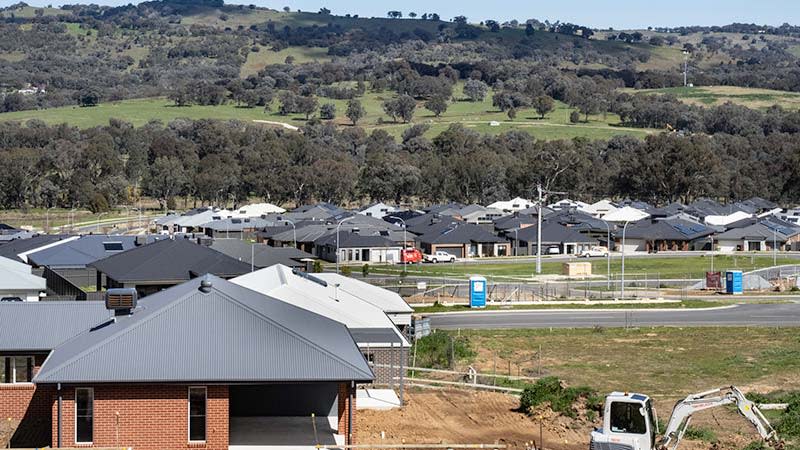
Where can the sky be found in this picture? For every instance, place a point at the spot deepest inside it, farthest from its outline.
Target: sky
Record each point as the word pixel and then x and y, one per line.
pixel 619 14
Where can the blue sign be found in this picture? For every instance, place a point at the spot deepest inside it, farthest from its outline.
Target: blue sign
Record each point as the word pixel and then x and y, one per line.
pixel 477 292
pixel 733 282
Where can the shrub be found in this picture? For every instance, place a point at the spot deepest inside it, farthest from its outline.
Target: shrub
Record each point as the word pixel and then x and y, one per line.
pixel 317 267
pixel 346 271
pixel 550 390
pixel 365 270
pixel 700 434
pixel 789 422
pixel 437 350
pixel 574 117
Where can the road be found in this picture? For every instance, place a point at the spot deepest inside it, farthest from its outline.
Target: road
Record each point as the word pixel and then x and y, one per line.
pixel 783 315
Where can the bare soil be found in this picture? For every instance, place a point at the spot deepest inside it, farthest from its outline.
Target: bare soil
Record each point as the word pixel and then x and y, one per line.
pixel 455 416
pixel 7 428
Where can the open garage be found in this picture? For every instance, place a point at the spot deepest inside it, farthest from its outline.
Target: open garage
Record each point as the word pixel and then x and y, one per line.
pixel 283 416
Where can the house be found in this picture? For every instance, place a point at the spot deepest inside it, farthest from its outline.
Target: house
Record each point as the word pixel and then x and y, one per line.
pixel 599 209
pixel 153 267
pixel 17 281
pixel 515 221
pixel 258 210
pixel 480 215
pixel 262 255
pixel 665 235
pixel 625 214
pixel 462 240
pixel 568 204
pixel 7 229
pixel 319 211
pixel 515 204
pixel 373 331
pixel 759 235
pixel 389 302
pixel 71 260
pixel 726 219
pixel 235 227
pixel 378 210
pixel 206 363
pixel 353 246
pixel 22 354
pixel 567 240
pixel 192 221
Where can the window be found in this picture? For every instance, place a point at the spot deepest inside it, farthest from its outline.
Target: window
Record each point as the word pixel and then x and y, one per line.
pixel 370 357
pixel 197 414
pixel 627 417
pixel 84 415
pixel 16 369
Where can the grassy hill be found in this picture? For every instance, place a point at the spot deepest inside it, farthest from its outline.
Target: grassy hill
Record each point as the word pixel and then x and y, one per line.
pixel 474 115
pixel 717 95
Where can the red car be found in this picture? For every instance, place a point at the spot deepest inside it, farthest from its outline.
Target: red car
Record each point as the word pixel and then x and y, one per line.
pixel 410 256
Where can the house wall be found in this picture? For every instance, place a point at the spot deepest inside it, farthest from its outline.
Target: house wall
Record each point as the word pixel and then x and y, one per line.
pixel 144 416
pixel 30 406
pixel 383 356
pixel 344 400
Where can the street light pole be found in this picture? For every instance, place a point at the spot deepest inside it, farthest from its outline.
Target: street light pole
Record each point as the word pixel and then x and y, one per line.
pixel 622 287
pixel 294 230
pixel 774 247
pixel 337 240
pixel 712 252
pixel 405 240
pixel 540 191
pixel 516 242
pixel 608 255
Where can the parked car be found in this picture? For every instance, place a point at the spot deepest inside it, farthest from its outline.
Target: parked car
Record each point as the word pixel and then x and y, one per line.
pixel 553 250
pixel 10 299
pixel 440 256
pixel 410 256
pixel 595 252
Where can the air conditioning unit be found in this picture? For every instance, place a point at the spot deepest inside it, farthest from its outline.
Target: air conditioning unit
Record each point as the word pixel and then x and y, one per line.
pixel 121 300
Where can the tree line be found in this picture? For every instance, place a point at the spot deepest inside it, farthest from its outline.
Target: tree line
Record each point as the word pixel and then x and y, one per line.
pixel 184 163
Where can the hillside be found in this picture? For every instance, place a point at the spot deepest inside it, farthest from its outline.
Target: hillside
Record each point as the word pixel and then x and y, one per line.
pixel 212 58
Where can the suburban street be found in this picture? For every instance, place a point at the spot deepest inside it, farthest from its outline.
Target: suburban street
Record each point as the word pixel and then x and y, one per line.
pixel 777 315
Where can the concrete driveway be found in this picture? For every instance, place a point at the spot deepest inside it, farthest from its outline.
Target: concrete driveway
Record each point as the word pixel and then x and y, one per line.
pixel 282 433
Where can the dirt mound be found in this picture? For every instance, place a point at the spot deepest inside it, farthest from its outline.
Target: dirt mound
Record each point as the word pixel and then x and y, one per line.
pixel 7 428
pixel 469 417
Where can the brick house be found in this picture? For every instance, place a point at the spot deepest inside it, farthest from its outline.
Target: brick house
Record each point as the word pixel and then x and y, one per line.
pixel 205 364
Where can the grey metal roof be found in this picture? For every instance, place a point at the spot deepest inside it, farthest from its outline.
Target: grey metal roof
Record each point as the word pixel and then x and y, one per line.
pixel 169 260
pixel 381 335
pixel 552 233
pixel 455 232
pixel 349 239
pixel 84 251
pixel 669 229
pixel 44 325
pixel 17 246
pixel 264 255
pixel 229 334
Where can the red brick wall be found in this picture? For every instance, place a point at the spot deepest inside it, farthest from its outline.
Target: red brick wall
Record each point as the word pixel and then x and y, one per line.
pixel 151 417
pixel 344 399
pixel 30 406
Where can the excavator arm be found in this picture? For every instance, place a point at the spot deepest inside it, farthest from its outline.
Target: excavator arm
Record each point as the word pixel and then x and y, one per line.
pixel 684 409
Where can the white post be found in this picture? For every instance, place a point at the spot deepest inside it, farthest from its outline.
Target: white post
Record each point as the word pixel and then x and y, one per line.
pixel 774 247
pixel 405 241
pixel 539 232
pixel 337 240
pixel 622 287
pixel 608 255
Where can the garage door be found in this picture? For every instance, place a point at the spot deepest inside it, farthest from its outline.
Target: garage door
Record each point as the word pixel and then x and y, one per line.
pixel 283 400
pixel 458 252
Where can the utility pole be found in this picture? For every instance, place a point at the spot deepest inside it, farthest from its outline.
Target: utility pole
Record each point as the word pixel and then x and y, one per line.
pixel 405 241
pixel 685 68
pixel 541 193
pixel 622 286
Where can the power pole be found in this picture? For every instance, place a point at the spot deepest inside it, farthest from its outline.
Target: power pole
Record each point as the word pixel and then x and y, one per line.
pixel 541 193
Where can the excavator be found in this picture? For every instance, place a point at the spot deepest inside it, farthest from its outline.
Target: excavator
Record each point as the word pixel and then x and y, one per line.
pixel 630 421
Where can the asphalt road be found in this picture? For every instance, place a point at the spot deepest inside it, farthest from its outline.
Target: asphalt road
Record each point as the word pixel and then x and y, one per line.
pixel 783 315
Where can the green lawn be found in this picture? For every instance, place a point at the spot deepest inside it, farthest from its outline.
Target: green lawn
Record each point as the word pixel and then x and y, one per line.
pixel 473 115
pixel 654 267
pixel 668 360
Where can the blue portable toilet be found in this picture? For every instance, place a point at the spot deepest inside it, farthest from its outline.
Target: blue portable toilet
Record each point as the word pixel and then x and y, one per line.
pixel 477 292
pixel 733 282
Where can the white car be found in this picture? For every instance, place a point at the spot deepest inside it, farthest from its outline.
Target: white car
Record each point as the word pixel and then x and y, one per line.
pixel 595 251
pixel 439 256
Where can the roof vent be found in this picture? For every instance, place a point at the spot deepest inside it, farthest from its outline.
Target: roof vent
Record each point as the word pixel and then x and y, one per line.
pixel 122 301
pixel 205 286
